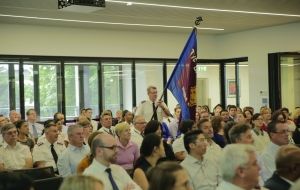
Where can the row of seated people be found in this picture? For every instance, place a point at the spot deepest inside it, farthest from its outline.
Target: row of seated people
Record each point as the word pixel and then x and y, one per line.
pixel 123 138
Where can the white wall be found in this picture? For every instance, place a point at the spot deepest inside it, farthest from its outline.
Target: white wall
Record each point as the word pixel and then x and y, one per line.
pixel 256 44
pixel 60 41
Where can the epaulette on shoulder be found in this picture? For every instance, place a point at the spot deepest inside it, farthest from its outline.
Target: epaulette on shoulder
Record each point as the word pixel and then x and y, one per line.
pixel 143 101
pixel 60 143
pixel 40 143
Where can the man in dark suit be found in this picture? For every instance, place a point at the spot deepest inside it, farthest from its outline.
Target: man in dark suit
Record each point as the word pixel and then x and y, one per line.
pixel 287 168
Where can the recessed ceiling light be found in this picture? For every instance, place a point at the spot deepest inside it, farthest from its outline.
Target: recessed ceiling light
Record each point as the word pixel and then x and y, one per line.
pixel 108 23
pixel 204 9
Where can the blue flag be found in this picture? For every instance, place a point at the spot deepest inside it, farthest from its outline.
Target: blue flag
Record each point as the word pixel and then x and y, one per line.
pixel 182 82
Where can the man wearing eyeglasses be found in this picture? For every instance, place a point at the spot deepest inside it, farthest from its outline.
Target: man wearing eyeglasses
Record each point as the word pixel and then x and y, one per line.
pixel 203 172
pixel 279 136
pixel 104 148
pixel 138 130
pixel 13 155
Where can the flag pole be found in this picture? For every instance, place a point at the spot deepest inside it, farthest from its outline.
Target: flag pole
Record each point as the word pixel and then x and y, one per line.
pixel 197 23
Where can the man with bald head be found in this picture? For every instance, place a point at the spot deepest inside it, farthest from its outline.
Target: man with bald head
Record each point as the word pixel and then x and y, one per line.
pixel 114 177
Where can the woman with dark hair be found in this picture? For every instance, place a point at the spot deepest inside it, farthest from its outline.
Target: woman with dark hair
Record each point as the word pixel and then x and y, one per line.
pixel 218 126
pixel 227 127
pixel 23 134
pixel 168 176
pixel 248 116
pixel 261 137
pixel 154 126
pixel 151 151
pixel 217 109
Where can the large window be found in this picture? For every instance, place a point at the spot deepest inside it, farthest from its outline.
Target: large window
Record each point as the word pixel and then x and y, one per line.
pixel 4 89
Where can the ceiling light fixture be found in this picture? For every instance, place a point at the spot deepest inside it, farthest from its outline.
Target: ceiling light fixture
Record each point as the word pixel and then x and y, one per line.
pixel 108 23
pixel 204 9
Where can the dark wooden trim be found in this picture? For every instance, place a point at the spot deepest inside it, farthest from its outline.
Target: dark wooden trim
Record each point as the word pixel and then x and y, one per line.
pixel 12 86
pixel 237 84
pixel 22 91
pixel 165 80
pixel 222 74
pixel 133 82
pixel 36 91
pixel 274 81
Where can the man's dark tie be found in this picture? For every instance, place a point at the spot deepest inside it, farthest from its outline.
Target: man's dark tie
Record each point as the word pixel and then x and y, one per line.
pixel 154 112
pixel 111 179
pixel 54 153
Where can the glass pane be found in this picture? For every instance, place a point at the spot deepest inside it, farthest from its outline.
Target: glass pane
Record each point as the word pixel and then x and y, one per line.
pixel 90 77
pixel 71 91
pixel 230 84
pixel 244 84
pixel 208 85
pixel 117 86
pixel 4 89
pixel 28 86
pixel 17 87
pixel 48 91
pixel 290 81
pixel 148 74
pixel 172 102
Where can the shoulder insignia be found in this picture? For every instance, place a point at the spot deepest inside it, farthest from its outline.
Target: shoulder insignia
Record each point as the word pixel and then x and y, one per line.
pixel 40 143
pixel 143 101
pixel 60 143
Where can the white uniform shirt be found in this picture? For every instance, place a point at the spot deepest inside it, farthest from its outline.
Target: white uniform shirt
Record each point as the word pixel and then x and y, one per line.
pixel 69 159
pixel 119 175
pixel 214 152
pixel 146 109
pixel 228 186
pixel 136 137
pixel 95 125
pixel 178 145
pixel 42 152
pixel 204 175
pixel 14 157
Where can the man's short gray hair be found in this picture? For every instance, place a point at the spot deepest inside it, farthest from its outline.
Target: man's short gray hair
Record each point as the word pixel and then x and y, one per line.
pixel 235 156
pixel 71 128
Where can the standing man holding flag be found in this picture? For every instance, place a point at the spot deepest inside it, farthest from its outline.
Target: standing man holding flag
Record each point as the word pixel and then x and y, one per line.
pixel 182 82
pixel 153 109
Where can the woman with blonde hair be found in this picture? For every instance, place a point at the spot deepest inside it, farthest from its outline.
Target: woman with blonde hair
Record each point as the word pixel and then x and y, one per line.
pixel 127 151
pixel 81 182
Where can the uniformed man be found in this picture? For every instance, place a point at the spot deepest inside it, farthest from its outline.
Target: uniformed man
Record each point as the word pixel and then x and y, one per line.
pixel 46 153
pixel 138 130
pixel 106 123
pixel 147 108
pixel 89 115
pixel 13 155
pixel 76 151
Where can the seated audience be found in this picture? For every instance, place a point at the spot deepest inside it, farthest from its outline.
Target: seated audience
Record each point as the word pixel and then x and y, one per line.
pixel 218 127
pixel 168 176
pixel 35 128
pixel 279 136
pixel 75 152
pixel 241 133
pixel 87 160
pixel 127 151
pixel 104 149
pixel 106 123
pixel 178 145
pixel 152 150
pixel 203 172
pixel 137 131
pixel 287 168
pixel 46 153
pixel 81 182
pixel 13 155
pixel 23 134
pixel 154 126
pixel 240 169
pixel 14 116
pixel 261 137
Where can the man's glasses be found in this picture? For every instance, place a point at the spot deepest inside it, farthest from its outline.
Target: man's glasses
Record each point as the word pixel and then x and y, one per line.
pixel 10 133
pixel 283 131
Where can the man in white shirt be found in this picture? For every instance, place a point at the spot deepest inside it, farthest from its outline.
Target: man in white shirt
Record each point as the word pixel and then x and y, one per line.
pixel 203 173
pixel 13 155
pixel 34 128
pixel 106 123
pixel 46 152
pixel 14 116
pixel 138 129
pixel 279 136
pixel 104 148
pixel 240 170
pixel 147 108
pixel 68 161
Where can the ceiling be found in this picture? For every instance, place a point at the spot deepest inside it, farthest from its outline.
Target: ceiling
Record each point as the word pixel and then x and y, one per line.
pixel 45 12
